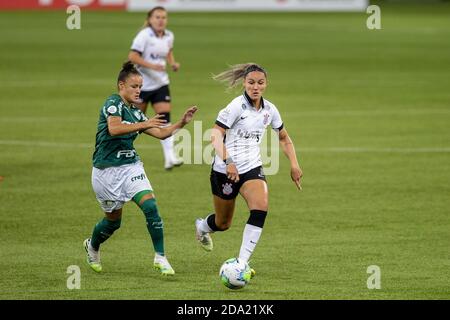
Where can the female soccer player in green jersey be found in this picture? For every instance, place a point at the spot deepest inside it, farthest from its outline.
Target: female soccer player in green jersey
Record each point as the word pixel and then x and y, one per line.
pixel 118 175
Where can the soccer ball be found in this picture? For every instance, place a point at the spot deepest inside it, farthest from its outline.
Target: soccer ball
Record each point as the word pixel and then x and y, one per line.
pixel 234 273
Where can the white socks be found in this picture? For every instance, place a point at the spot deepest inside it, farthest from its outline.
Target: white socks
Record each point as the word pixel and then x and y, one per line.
pixel 204 227
pixel 167 145
pixel 249 241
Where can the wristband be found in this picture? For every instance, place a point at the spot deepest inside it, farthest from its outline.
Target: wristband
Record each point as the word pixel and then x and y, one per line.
pixel 228 161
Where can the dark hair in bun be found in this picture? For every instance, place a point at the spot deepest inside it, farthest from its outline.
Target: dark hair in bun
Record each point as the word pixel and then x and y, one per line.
pixel 128 69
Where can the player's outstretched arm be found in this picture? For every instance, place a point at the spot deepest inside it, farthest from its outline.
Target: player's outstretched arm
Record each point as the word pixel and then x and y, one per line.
pixel 163 133
pixel 289 151
pixel 117 128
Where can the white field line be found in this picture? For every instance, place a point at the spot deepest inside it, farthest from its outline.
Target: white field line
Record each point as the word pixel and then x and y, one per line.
pixel 49 144
pixel 376 150
pixel 287 114
pixel 56 83
pixel 365 113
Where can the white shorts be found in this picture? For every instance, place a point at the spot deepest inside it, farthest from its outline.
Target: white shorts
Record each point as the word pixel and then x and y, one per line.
pixel 114 186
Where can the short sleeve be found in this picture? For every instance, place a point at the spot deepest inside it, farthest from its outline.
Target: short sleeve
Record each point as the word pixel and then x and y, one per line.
pixel 277 123
pixel 112 107
pixel 139 42
pixel 228 115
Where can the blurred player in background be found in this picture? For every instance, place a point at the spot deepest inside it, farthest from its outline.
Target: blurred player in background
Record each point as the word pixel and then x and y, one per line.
pixel 237 166
pixel 151 50
pixel 118 175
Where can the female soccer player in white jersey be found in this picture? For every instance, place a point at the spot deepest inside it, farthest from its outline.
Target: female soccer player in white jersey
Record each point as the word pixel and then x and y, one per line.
pixel 151 49
pixel 236 136
pixel 118 175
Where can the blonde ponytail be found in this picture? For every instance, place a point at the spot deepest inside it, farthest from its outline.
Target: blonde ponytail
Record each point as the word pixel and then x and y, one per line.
pixel 237 72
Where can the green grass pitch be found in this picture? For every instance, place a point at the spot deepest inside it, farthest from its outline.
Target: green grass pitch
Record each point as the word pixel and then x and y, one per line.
pixel 368 110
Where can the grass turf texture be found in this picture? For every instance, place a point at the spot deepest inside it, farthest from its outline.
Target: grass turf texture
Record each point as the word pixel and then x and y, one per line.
pixel 368 111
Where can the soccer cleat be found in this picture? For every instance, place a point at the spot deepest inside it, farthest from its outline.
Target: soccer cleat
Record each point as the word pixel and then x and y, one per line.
pixel 93 257
pixel 177 162
pixel 203 238
pixel 162 265
pixel 252 273
pixel 174 162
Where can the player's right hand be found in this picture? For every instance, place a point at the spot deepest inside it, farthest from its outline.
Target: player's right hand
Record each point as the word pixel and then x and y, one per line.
pixel 232 173
pixel 296 175
pixel 188 115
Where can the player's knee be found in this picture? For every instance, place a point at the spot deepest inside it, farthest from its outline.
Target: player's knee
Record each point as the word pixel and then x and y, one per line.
pixel 115 215
pixel 262 205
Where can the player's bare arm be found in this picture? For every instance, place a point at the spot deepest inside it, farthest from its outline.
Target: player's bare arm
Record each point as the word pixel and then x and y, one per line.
pixel 163 133
pixel 172 62
pixel 289 151
pixel 117 128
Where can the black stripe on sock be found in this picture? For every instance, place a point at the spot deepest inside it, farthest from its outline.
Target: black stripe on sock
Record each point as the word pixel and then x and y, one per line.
pixel 211 220
pixel 257 218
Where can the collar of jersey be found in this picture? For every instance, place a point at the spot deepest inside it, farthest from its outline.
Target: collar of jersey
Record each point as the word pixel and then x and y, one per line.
pixel 152 32
pixel 124 103
pixel 249 101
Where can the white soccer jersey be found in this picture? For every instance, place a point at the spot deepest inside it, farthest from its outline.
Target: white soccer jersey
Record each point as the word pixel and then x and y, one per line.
pixel 153 50
pixel 245 129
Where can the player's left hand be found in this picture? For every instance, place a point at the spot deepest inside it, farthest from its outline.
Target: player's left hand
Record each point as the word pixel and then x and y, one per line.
pixel 296 175
pixel 175 66
pixel 188 115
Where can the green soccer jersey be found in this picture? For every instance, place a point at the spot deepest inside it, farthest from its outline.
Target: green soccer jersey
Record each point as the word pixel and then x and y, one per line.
pixel 115 151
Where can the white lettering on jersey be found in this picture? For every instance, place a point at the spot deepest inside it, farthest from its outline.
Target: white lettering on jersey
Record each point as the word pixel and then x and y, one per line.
pixel 126 153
